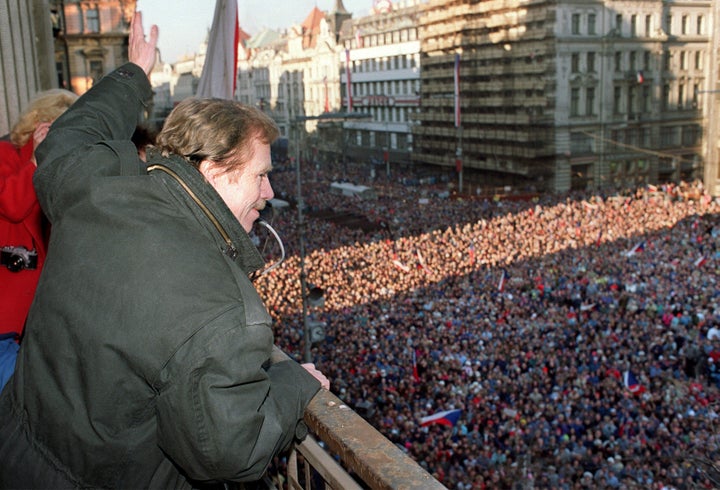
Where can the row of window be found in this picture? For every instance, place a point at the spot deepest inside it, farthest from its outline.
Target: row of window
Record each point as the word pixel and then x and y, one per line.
pixel 641 137
pixel 400 62
pixel 638 60
pixel 637 25
pixel 381 39
pixel 388 87
pixel 635 99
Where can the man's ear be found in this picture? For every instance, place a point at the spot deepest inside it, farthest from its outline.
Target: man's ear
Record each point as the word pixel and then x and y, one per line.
pixel 209 170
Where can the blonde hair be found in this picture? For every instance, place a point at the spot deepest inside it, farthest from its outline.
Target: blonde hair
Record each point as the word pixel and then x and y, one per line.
pixel 44 107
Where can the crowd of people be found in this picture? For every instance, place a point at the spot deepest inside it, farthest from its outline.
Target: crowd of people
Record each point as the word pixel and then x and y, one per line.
pixel 571 331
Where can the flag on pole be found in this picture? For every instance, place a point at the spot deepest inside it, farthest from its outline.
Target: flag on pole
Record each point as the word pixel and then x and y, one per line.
pixel 700 261
pixel 219 74
pixel 446 417
pixel 416 374
pixel 327 99
pixel 637 248
pixel 501 282
pixel 400 265
pixel 348 81
pixel 632 383
pixel 456 77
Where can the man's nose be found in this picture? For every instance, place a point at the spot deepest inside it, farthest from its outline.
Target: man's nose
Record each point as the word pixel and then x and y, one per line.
pixel 266 192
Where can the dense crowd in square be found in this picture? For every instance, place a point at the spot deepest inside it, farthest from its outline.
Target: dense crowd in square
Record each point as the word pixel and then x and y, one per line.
pixel 523 313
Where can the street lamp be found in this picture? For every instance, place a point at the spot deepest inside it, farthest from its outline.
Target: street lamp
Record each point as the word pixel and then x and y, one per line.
pixel 314 294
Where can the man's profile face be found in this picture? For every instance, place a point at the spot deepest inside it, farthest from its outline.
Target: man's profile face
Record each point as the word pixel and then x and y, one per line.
pixel 244 191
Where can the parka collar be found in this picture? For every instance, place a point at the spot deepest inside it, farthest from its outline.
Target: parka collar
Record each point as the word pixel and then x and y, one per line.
pixel 190 182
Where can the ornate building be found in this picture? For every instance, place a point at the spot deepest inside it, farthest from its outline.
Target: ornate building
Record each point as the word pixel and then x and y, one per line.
pixel 294 75
pixel 91 39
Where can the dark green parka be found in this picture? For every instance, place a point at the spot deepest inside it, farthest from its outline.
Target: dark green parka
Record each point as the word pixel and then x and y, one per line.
pixel 145 361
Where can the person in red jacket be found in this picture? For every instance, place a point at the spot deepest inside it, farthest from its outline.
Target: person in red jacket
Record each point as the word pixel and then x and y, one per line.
pixel 23 230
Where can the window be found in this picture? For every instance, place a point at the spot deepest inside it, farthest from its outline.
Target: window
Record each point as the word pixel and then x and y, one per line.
pixel 633 61
pixel 617 100
pixel 618 61
pixel 699 60
pixel 590 101
pixel 592 21
pixel 684 25
pixel 618 24
pixel 700 25
pixel 574 101
pixel 648 25
pixel 681 96
pixel 683 60
pixel 646 102
pixel 591 62
pixel 575 63
pixel 92 19
pixel 575 27
pixel 666 60
pixel 696 90
pixel 665 97
pixel 646 60
pixel 632 99
pixel 96 70
pixel 668 24
pixel 633 25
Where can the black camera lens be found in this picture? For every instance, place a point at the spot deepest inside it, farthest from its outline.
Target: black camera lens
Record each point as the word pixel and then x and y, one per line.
pixel 16 263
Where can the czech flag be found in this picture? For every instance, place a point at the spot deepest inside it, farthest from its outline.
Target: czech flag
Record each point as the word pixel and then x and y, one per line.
pixel 501 282
pixel 446 417
pixel 637 248
pixel 632 383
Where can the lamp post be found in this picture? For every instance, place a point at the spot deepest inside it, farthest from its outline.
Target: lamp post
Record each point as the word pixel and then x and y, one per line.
pixel 307 354
pixel 316 293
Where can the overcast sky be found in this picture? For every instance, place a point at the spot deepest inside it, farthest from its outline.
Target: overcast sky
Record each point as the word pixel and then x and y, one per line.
pixel 183 24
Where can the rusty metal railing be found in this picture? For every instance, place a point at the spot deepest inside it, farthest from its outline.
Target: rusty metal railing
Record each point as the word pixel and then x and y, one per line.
pixel 367 459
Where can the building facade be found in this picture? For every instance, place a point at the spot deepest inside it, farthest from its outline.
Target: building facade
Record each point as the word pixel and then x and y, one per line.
pixel 26 51
pixel 380 77
pixel 91 40
pixel 293 75
pixel 565 95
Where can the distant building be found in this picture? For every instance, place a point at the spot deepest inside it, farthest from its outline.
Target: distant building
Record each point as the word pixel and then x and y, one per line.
pixel 293 76
pixel 91 41
pixel 380 77
pixel 565 95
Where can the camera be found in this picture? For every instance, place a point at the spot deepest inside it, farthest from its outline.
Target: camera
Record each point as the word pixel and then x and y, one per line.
pixel 18 258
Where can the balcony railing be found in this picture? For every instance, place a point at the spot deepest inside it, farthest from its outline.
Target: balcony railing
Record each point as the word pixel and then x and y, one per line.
pixel 367 458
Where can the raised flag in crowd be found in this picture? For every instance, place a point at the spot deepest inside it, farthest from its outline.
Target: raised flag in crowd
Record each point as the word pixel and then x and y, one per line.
pixel 700 261
pixel 501 282
pixel 639 247
pixel 632 384
pixel 446 417
pixel 416 374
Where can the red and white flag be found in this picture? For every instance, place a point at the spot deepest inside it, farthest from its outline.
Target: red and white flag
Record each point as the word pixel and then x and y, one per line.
pixel 219 73
pixel 416 374
pixel 456 91
pixel 700 261
pixel 348 81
